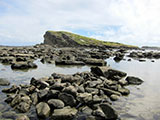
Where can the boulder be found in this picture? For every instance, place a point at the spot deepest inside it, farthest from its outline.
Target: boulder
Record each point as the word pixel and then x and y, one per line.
pixel 68 99
pixel 43 110
pixel 114 97
pixel 4 82
pixel 108 73
pixel 93 61
pixel 39 83
pixel 22 117
pixel 66 113
pixel 23 107
pixel 55 104
pixel 110 113
pixel 23 65
pixel 134 80
pixel 109 92
pixel 84 97
pixel 70 90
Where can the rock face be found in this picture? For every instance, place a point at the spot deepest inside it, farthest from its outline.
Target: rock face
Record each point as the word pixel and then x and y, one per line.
pixel 67 39
pixel 59 40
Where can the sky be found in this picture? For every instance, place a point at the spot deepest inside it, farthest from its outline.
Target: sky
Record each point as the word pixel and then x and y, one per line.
pixel 135 22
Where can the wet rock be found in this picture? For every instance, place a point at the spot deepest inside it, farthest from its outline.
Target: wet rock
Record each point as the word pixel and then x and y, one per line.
pixel 10 115
pixel 23 65
pixel 110 92
pixel 114 97
pixel 13 89
pixel 66 113
pixel 122 82
pixel 92 61
pixel 69 62
pixel 23 107
pixel 43 110
pixel 142 60
pixel 68 99
pixel 71 79
pixel 55 104
pixel 57 86
pixel 108 73
pixel 43 94
pixel 86 110
pixel 53 94
pixel 94 91
pixel 39 83
pixel 4 82
pixel 109 112
pixel 70 90
pixel 22 117
pixel 84 97
pixel 134 80
pixel 21 102
pixel 123 91
pixel 34 98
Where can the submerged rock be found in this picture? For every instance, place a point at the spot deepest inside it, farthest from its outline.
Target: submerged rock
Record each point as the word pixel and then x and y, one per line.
pixel 4 82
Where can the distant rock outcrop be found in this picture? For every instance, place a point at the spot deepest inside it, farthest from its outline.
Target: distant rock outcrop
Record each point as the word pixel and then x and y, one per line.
pixel 67 39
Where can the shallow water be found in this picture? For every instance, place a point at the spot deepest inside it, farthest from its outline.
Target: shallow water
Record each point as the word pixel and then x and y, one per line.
pixel 144 101
pixel 142 104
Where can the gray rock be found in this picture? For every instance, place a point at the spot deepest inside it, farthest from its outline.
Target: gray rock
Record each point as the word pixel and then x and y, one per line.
pixel 123 91
pixel 22 117
pixel 86 110
pixel 43 94
pixel 84 97
pixel 13 89
pixel 68 99
pixel 134 80
pixel 55 104
pixel 23 65
pixel 114 97
pixel 70 90
pixel 66 113
pixel 43 110
pixel 109 112
pixel 108 72
pixel 23 107
pixel 110 92
pixel 10 115
pixel 93 91
pixel 4 82
pixel 34 98
pixel 39 83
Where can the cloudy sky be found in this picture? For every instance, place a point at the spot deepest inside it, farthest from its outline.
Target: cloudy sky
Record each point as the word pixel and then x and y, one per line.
pixel 136 22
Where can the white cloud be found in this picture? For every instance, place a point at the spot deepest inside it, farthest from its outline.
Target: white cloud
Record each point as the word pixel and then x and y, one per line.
pixel 127 21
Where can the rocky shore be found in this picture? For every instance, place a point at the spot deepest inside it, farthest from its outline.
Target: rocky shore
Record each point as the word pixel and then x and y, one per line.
pixel 80 96
pixel 66 97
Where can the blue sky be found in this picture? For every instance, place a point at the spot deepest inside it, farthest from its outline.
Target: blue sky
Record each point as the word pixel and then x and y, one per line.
pixel 136 22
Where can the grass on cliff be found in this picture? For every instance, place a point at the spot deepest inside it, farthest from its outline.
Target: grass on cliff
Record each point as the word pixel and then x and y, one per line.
pixel 82 40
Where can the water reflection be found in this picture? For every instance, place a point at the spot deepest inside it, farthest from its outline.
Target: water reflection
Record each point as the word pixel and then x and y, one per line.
pixel 143 102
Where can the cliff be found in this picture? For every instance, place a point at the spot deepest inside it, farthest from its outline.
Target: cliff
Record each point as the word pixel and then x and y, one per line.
pixel 67 39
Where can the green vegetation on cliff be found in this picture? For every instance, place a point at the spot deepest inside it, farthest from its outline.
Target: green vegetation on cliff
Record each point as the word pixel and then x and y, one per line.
pixel 82 40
